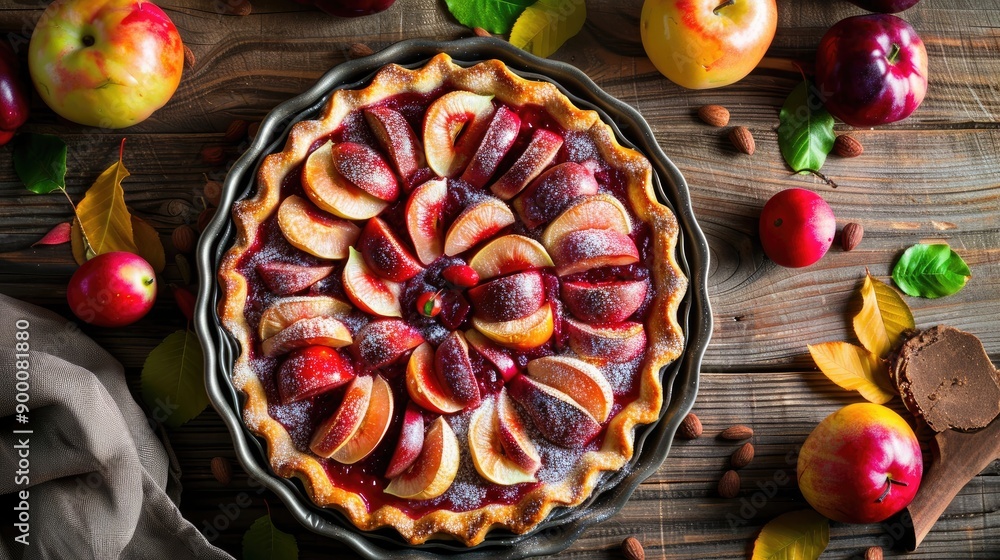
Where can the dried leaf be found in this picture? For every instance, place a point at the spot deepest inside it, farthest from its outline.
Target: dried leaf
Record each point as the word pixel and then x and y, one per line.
pixel 81 250
pixel 545 25
pixel 796 535
pixel 172 381
pixel 930 271
pixel 56 236
pixel 855 369
pixel 40 162
pixel 148 244
pixel 264 541
pixel 183 267
pixel 106 222
pixel 883 318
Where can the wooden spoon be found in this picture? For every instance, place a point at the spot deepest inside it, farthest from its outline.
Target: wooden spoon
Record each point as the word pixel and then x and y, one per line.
pixel 958 457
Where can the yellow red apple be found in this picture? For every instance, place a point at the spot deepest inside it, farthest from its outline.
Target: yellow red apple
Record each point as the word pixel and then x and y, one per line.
pixel 862 464
pixel 702 44
pixel 105 63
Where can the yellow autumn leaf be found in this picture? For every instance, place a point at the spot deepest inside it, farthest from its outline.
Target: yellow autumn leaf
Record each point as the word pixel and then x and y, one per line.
pixel 544 26
pixel 883 318
pixel 81 252
pixel 148 244
pixel 855 369
pixel 796 535
pixel 104 219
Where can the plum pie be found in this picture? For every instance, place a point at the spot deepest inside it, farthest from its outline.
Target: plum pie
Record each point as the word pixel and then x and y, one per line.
pixel 454 293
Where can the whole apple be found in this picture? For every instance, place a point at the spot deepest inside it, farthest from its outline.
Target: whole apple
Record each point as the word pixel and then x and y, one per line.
pixel 871 70
pixel 702 44
pixel 862 464
pixel 13 95
pixel 885 6
pixel 105 63
pixel 112 290
pixel 796 227
pixel 349 8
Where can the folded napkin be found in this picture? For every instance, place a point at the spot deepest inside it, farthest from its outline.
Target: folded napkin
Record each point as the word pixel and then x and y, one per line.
pixel 88 476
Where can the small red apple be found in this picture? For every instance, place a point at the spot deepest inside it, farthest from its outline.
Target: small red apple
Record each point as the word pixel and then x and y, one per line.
pixel 862 464
pixel 112 289
pixel 796 228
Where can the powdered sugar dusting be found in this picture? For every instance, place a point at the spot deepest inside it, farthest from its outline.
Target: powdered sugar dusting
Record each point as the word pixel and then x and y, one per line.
pixel 622 376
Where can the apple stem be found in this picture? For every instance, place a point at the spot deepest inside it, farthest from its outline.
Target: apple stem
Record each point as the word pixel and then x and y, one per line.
pixel 893 54
pixel 723 5
pixel 888 487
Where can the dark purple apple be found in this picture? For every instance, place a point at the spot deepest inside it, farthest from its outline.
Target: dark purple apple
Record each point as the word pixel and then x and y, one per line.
pixel 871 70
pixel 13 95
pixel 348 8
pixel 885 6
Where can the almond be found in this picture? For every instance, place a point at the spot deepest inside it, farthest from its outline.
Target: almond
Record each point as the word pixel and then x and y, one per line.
pixel 851 236
pixel 213 192
pixel 358 50
pixel 632 549
pixel 238 7
pixel 736 433
pixel 236 130
pixel 222 470
pixel 690 427
pixel 183 238
pixel 189 57
pixel 715 115
pixel 729 484
pixel 480 32
pixel 213 155
pixel 873 553
pixel 847 146
pixel 742 456
pixel 742 140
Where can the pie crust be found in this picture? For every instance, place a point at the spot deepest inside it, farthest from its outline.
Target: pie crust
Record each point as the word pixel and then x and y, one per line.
pixel 614 446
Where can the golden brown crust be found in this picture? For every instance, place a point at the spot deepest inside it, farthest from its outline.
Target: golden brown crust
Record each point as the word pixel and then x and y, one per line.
pixel 665 336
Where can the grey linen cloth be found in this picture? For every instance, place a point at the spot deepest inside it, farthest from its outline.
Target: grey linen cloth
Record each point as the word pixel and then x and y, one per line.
pixel 99 483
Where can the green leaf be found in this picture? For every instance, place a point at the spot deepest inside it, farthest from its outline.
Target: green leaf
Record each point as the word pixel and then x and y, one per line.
pixel 495 16
pixel 796 535
pixel 172 383
pixel 805 132
pixel 264 541
pixel 545 25
pixel 40 162
pixel 930 271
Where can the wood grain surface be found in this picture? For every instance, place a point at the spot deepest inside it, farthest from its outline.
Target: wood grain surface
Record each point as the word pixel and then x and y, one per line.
pixel 934 176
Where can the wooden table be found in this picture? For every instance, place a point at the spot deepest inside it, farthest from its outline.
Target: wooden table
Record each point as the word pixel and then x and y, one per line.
pixel 934 176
